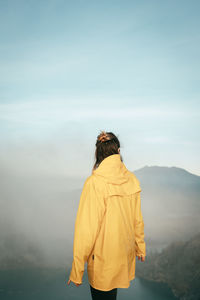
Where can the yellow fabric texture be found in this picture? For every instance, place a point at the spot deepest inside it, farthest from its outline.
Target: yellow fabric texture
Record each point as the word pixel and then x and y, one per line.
pixel 109 227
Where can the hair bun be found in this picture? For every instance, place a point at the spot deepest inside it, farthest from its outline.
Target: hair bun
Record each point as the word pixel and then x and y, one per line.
pixel 103 137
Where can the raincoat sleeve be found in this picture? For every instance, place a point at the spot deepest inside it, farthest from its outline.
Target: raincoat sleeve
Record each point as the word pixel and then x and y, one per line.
pixel 140 245
pixel 87 225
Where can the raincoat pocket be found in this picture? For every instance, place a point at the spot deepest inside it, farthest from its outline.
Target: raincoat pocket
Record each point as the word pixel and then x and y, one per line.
pixel 90 267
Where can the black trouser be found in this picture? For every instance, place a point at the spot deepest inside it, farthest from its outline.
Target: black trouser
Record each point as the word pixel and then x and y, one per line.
pixel 103 295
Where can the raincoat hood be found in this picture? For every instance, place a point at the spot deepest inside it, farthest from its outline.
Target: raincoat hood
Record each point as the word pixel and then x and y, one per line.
pixel 112 169
pixel 114 172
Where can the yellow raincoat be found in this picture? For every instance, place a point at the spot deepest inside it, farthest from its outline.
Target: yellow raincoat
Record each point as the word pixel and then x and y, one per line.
pixel 109 227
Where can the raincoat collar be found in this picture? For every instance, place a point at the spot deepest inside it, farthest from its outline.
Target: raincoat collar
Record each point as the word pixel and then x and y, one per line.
pixel 112 169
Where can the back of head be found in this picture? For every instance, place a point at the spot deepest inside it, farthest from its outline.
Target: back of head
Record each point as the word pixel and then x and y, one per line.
pixel 107 144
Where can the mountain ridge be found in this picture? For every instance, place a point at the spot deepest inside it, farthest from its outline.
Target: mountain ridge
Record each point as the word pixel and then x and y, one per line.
pixel 178 265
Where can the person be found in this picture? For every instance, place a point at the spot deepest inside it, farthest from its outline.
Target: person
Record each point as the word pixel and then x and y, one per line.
pixel 109 226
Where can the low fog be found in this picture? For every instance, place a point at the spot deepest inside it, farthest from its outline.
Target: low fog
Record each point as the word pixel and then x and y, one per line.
pixel 38 211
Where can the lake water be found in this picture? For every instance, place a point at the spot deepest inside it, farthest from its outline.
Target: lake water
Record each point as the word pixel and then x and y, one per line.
pixel 50 284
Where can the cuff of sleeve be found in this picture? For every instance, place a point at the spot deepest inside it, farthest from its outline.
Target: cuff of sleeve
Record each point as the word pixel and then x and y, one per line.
pixel 141 250
pixel 140 254
pixel 75 280
pixel 76 273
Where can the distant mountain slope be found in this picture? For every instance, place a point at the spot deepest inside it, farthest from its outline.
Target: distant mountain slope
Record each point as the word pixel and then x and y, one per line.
pixel 178 265
pixel 174 182
pixel 170 203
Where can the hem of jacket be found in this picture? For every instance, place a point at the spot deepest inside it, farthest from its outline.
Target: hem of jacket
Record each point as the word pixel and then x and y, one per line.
pixel 120 286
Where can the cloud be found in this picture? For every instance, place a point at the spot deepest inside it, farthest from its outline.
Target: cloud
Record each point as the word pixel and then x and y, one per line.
pixel 47 111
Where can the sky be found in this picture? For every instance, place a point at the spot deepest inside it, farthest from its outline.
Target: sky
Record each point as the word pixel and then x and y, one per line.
pixel 69 69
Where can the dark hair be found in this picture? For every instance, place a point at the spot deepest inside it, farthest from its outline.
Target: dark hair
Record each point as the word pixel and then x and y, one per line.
pixel 107 144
